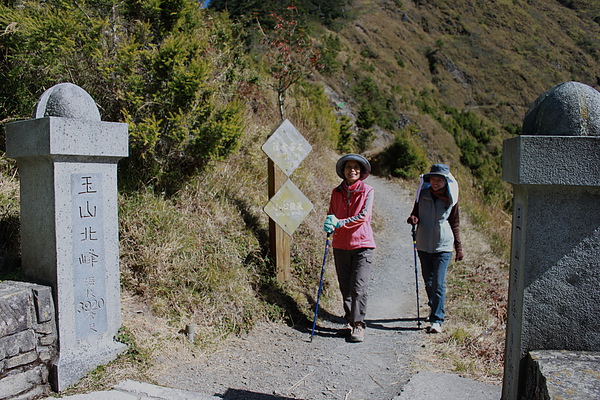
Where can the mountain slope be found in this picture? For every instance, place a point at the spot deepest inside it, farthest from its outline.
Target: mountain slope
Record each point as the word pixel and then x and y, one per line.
pixel 496 56
pixel 492 57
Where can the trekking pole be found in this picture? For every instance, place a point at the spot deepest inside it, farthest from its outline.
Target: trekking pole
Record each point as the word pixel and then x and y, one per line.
pixel 414 236
pixel 312 332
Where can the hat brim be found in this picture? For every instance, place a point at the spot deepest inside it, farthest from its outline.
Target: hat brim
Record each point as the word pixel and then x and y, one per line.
pixel 341 163
pixel 428 175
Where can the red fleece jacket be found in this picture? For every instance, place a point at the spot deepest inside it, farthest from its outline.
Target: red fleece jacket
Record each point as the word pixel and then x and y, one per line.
pixel 353 206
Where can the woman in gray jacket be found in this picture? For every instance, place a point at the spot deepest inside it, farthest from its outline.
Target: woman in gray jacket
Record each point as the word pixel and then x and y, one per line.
pixel 436 215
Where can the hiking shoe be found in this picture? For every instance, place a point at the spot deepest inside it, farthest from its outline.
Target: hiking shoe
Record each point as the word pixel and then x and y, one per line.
pixel 436 327
pixel 358 333
pixel 345 330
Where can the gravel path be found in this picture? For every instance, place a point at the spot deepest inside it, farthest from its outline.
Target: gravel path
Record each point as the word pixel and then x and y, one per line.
pixel 276 361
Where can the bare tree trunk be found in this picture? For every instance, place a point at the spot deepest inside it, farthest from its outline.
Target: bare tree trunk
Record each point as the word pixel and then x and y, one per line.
pixel 281 101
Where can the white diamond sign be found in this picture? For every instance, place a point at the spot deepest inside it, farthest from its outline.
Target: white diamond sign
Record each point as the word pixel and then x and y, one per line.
pixel 288 207
pixel 287 147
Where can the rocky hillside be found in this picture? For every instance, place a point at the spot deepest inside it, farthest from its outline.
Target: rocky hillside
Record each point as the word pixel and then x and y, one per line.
pixel 494 58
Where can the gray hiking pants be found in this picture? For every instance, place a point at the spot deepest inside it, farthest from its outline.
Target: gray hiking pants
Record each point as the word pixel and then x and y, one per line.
pixel 353 269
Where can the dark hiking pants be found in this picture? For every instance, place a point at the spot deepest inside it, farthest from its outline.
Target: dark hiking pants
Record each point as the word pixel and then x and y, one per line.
pixel 353 269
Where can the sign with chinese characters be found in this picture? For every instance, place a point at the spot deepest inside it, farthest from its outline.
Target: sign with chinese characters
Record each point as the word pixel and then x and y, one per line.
pixel 288 207
pixel 89 270
pixel 287 147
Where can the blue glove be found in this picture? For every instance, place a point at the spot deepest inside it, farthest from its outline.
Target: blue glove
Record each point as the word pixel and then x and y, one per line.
pixel 331 223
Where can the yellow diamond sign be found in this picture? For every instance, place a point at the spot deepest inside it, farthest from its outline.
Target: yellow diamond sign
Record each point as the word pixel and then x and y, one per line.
pixel 288 207
pixel 287 147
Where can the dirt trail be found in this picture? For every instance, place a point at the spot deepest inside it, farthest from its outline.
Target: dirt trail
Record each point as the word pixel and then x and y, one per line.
pixel 276 361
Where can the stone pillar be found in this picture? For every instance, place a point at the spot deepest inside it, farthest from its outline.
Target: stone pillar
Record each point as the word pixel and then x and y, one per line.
pixel 554 288
pixel 67 160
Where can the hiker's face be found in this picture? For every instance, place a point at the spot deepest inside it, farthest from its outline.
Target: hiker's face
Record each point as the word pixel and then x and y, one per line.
pixel 437 182
pixel 352 171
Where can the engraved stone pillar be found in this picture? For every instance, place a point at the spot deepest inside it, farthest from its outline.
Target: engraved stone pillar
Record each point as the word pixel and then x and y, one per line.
pixel 554 290
pixel 67 159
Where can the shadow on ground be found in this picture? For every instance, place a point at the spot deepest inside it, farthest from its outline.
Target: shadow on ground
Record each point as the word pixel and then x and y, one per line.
pixel 379 324
pixel 238 394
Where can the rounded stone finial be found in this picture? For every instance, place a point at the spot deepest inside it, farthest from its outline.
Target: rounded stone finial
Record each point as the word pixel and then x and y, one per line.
pixel 568 109
pixel 66 100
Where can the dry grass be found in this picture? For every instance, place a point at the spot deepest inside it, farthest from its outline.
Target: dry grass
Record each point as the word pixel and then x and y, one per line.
pixel 197 257
pixel 202 257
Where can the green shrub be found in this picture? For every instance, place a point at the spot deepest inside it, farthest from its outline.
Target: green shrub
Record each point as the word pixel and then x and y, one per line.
pixel 313 114
pixel 474 139
pixel 399 60
pixel 344 144
pixel 169 69
pixel 363 139
pixel 366 117
pixel 329 51
pixel 404 158
pixel 374 107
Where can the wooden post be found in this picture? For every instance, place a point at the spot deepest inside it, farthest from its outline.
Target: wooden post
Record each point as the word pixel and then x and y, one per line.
pixel 287 206
pixel 279 240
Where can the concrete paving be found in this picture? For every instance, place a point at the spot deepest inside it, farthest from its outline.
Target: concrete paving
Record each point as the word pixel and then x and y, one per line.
pixel 132 390
pixel 431 385
pixel 422 386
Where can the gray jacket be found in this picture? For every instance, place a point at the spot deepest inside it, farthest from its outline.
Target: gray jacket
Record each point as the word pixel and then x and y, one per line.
pixel 434 233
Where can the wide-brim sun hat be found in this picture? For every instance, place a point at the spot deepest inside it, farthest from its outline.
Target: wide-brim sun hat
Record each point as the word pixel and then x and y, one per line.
pixel 441 170
pixel 341 163
pixel 437 170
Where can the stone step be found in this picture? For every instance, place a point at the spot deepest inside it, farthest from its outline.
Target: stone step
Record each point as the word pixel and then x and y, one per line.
pixel 132 390
pixel 562 374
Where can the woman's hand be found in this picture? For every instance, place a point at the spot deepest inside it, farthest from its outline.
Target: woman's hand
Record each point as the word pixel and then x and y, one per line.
pixel 331 223
pixel 459 255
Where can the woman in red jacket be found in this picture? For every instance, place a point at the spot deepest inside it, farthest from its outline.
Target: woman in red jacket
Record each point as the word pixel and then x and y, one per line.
pixel 349 219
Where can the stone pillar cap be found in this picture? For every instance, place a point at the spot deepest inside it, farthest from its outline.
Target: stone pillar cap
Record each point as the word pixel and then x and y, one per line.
pixel 567 109
pixel 66 100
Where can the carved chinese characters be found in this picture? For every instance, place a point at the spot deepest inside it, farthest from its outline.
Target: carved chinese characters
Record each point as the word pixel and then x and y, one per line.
pixel 88 253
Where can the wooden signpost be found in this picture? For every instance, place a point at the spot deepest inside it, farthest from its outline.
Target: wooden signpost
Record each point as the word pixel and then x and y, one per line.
pixel 287 206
